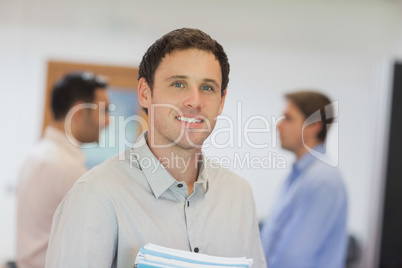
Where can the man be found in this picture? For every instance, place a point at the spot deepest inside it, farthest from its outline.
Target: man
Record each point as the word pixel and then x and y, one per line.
pixel 55 163
pixel 307 227
pixel 163 190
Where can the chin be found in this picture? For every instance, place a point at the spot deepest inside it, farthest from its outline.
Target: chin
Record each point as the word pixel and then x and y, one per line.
pixel 190 144
pixel 92 140
pixel 285 147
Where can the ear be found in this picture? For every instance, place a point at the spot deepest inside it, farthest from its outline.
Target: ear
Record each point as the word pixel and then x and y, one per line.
pixel 314 129
pixel 223 98
pixel 144 93
pixel 77 110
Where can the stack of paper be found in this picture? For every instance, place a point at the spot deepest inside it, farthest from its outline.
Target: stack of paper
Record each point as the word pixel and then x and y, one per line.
pixel 152 255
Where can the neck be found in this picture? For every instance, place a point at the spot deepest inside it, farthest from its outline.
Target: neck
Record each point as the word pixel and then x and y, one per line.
pixel 181 163
pixel 57 125
pixel 71 133
pixel 303 149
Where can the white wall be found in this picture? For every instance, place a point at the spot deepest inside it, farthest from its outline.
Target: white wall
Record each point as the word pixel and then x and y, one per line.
pixel 273 47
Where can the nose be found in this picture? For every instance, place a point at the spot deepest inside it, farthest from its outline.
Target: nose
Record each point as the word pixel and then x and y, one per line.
pixel 193 98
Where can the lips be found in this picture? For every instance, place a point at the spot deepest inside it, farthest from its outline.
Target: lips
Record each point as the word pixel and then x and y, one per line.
pixel 189 119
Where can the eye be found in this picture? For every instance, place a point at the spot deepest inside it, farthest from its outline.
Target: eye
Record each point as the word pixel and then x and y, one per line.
pixel 207 88
pixel 178 84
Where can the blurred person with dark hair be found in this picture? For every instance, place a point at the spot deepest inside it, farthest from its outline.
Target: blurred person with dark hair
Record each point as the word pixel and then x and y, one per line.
pixel 78 103
pixel 307 225
pixel 143 195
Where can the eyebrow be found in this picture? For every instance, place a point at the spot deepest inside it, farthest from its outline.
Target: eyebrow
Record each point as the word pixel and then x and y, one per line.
pixel 173 77
pixel 212 81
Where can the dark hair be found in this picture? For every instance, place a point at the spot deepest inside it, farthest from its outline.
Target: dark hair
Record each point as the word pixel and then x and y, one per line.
pixel 310 102
pixel 73 87
pixel 182 39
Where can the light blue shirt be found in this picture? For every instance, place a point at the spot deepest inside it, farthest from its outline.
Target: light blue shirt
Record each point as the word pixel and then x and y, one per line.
pixel 307 226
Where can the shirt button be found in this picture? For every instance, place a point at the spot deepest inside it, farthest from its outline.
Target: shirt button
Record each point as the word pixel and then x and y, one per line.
pixel 179 185
pixel 196 250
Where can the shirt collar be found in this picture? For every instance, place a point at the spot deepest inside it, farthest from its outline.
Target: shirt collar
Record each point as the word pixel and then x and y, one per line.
pixel 158 177
pixel 307 158
pixel 60 138
pixel 203 174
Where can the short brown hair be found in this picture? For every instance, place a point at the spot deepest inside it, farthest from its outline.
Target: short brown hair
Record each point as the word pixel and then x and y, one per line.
pixel 182 39
pixel 310 102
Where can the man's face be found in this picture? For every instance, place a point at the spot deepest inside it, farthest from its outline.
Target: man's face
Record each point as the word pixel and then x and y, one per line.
pixel 186 99
pixel 290 128
pixel 95 119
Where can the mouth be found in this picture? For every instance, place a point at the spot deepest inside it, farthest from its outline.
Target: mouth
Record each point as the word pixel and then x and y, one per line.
pixel 190 120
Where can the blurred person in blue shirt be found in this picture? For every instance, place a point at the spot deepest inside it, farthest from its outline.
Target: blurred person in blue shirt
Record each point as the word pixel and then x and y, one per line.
pixel 307 225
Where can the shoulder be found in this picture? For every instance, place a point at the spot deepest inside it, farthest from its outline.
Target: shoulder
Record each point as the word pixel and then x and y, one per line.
pixel 49 152
pixel 94 187
pixel 219 172
pixel 43 151
pixel 224 178
pixel 322 174
pixel 324 182
pixel 112 172
pixel 46 158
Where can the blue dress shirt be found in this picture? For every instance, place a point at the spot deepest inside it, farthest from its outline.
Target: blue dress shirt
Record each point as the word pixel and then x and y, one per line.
pixel 307 226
